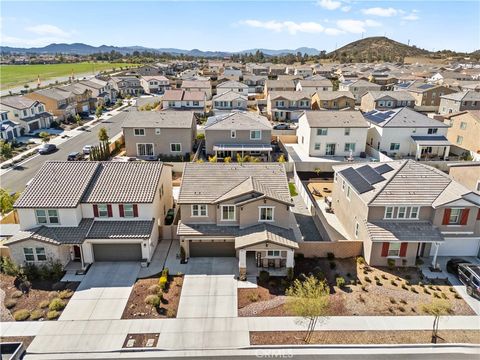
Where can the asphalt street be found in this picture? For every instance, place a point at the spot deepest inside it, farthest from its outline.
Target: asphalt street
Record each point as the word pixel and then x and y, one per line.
pixel 17 178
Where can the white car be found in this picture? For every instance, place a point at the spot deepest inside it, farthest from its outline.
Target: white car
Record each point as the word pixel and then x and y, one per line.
pixel 86 149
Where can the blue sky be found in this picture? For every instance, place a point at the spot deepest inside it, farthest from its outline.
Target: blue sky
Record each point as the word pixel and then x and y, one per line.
pixel 239 25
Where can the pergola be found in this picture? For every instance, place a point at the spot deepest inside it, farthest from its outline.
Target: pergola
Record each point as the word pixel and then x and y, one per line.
pixel 439 144
pixel 243 148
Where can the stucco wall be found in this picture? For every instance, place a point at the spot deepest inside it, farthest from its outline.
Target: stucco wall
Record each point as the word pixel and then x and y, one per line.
pixel 341 249
pixel 67 217
pixel 53 252
pixel 376 258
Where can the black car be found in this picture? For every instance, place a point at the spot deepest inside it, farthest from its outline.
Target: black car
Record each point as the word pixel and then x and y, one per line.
pixel 281 127
pixel 469 275
pixel 74 156
pixel 47 149
pixel 452 265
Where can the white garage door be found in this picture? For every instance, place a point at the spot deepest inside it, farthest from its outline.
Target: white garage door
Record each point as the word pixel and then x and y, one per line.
pixel 457 247
pixel 85 108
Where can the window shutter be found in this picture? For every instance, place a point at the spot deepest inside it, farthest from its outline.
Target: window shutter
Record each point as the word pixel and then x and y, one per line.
pixel 403 249
pixel 446 216
pixel 109 210
pixel 464 216
pixel 120 210
pixel 95 210
pixel 135 210
pixel 385 247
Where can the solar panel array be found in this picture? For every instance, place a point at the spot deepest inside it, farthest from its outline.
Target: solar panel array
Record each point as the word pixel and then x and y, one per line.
pixel 364 177
pixel 382 169
pixel 370 175
pixel 356 180
pixel 426 86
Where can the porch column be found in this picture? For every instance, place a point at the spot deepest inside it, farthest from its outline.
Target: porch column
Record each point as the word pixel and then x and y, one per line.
pixel 434 262
pixel 290 261
pixel 242 264
pixel 447 151
pixel 419 152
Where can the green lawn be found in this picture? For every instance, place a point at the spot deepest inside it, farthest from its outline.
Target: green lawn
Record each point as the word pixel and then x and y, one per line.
pixel 19 75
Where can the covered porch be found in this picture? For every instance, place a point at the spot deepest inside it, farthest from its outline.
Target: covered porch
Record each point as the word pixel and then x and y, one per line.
pixel 431 147
pixel 232 150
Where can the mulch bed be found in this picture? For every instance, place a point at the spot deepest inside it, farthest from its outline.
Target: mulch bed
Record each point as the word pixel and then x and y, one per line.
pixel 141 340
pixel 363 337
pixel 41 290
pixel 398 291
pixel 136 307
pixel 26 340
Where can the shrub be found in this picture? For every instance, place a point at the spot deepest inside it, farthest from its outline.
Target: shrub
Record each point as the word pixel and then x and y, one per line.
pixel 367 279
pixel 162 282
pixel 21 315
pixel 404 287
pixel 353 282
pixel 349 275
pixel 17 294
pixel 153 300
pixel 457 296
pixel 435 295
pixel 364 288
pixel 44 304
pixel 401 308
pixel 253 297
pixel 408 277
pixel 290 274
pixel 391 309
pixel 412 289
pixel 384 277
pixel 391 263
pixel 407 282
pixel 425 290
pixel 52 295
pixel 330 256
pixel 379 283
pixel 65 294
pixel 299 256
pixel 444 296
pixel 8 267
pixel 360 260
pixel 36 314
pixel 365 272
pixel 53 314
pixel 392 282
pixel 452 289
pixel 404 302
pixel 10 303
pixel 376 278
pixel 154 289
pixel 340 281
pixel 393 301
pixel 333 265
pixel 56 304
pixel 264 276
pixel 420 284
pixel 165 272
pixel 171 313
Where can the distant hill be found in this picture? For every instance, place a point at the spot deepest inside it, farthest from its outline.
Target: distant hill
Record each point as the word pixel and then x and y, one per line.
pixel 376 49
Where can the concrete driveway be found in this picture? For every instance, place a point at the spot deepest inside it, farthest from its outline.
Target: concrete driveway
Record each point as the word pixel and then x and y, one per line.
pixel 103 293
pixel 208 296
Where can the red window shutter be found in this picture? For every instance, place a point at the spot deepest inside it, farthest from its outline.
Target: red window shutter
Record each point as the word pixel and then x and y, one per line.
pixel 385 247
pixel 464 216
pixel 95 210
pixel 120 210
pixel 446 216
pixel 478 214
pixel 109 210
pixel 403 249
pixel 135 210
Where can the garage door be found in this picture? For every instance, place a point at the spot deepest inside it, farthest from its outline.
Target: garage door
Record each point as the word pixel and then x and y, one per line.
pixel 117 252
pixel 34 126
pixel 209 249
pixel 457 247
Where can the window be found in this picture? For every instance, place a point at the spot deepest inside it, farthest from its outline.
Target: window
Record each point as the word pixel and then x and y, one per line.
pixel 348 192
pixel 455 216
pixel 413 212
pixel 265 213
pixel 322 132
pixel 317 146
pixel 273 253
pixel 233 134
pixel 388 212
pixel 139 132
pixel 401 212
pixel 347 131
pixel 196 103
pixel 199 210
pixel 49 216
pixel 25 113
pixel 394 146
pixel 463 125
pixel 330 150
pixel 28 253
pixel 158 131
pixel 38 255
pixel 228 212
pixel 175 147
pixel 102 210
pixel 255 134
pixel 432 131
pixel 459 139
pixel 394 249
pixel 349 146
pixel 357 228
pixel 41 109
pixel 343 185
pixel 128 210
pixel 144 149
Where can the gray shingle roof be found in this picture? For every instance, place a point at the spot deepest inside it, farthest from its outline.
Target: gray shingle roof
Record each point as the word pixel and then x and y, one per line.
pixel 397 95
pixel 159 119
pixel 290 95
pixel 229 95
pixel 332 95
pixel 402 117
pixel 135 229
pixel 17 102
pixel 265 233
pixel 238 120
pixel 463 96
pixel 335 119
pixel 232 84
pixel 380 231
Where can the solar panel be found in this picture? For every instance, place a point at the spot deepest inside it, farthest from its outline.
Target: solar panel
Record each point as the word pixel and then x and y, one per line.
pixel 356 180
pixel 370 175
pixel 382 169
pixel 425 86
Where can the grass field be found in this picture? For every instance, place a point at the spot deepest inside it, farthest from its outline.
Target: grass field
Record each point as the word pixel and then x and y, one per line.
pixel 19 75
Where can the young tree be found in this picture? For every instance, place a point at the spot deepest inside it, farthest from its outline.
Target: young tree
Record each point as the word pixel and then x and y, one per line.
pixel 7 200
pixel 98 112
pixel 310 300
pixel 78 119
pixel 45 136
pixel 437 308
pixel 103 135
pixel 5 149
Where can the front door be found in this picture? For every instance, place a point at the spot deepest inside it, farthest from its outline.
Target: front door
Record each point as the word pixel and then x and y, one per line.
pixel 76 252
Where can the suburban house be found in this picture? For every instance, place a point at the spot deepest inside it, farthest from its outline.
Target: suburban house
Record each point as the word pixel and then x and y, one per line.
pixel 255 83
pixel 82 96
pixel 287 105
pixel 333 100
pixel 181 100
pixel 332 133
pixel 312 86
pixel 86 211
pixel 277 69
pixel 149 70
pixel 256 69
pixel 126 85
pixel 403 132
pixel 59 103
pixel 383 100
pixel 198 85
pixel 9 129
pixel 278 85
pixel 238 133
pixel 466 173
pixel 230 210
pixel 403 210
pixel 358 88
pixel 464 132
pixel 156 84
pixel 384 79
pixel 460 101
pixel 233 86
pixel 28 114
pixel 162 134
pixel 102 91
pixel 303 71
pixel 230 100
pixel 427 96
pixel 232 74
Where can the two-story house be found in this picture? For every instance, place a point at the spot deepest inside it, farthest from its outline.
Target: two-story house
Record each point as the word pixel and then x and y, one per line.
pixel 288 105
pixel 9 129
pixel 59 103
pixel 403 132
pixel 198 85
pixel 87 211
pixel 29 114
pixel 333 100
pixel 184 100
pixel 460 101
pixel 126 85
pixel 156 84
pixel 239 132
pixel 332 133
pixel 102 91
pixel 234 86
pixel 238 210
pixel 384 100
pixel 312 86
pixel 464 132
pixel 162 134
pixel 358 88
pixel 427 96
pixel 404 209
pixel 84 102
pixel 278 85
pixel 255 83
pixel 229 100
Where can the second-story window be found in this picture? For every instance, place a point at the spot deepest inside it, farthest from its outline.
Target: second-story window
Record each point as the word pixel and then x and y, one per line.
pixel 347 131
pixel 322 132
pixel 128 210
pixel 255 134
pixel 228 212
pixel 233 134
pixel 455 216
pixel 47 216
pixel 102 210
pixel 265 213
pixel 139 132
pixel 388 212
pixel 199 210
pixel 432 131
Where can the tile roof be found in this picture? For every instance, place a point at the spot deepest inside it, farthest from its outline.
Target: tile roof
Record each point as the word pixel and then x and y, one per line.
pixel 261 233
pixel 401 118
pixel 159 119
pixel 335 119
pixel 315 83
pixel 290 95
pixel 332 95
pixel 405 231
pixel 173 95
pixel 17 102
pixel 200 84
pixel 194 96
pixel 397 95
pixel 360 83
pixel 54 93
pixel 132 229
pixel 229 95
pixel 463 96
pixel 232 84
pixel 280 84
pixel 238 120
pixel 205 183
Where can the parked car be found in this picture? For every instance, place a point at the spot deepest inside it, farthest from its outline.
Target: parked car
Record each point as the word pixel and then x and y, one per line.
pixel 86 149
pixel 469 275
pixel 452 265
pixel 281 127
pixel 74 156
pixel 47 149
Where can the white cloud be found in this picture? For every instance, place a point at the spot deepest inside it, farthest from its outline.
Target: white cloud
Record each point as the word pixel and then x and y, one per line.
pixel 289 26
pixel 346 8
pixel 356 26
pixel 378 11
pixel 329 4
pixel 23 42
pixel 412 16
pixel 334 31
pixel 48 30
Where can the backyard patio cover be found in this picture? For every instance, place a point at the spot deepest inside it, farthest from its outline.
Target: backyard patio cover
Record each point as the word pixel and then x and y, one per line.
pixel 431 140
pixel 241 147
